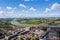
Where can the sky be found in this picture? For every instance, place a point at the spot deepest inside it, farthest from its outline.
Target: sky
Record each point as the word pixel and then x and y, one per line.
pixel 29 8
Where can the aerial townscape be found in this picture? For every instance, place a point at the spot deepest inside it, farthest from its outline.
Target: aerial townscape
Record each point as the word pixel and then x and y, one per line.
pixel 29 19
pixel 30 29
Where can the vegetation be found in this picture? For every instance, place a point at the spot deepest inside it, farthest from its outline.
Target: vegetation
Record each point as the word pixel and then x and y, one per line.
pixel 30 22
pixel 42 21
pixel 9 25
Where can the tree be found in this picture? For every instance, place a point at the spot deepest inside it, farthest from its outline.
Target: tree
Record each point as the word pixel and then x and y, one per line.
pixel 28 38
pixel 21 39
pixel 36 38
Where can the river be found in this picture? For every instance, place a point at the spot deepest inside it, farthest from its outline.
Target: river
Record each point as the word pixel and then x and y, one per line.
pixel 14 22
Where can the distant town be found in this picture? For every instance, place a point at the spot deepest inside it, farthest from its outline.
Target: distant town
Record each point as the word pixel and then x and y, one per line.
pixel 30 29
pixel 29 19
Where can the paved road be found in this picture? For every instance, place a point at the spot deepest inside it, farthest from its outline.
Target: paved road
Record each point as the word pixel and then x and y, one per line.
pixel 17 34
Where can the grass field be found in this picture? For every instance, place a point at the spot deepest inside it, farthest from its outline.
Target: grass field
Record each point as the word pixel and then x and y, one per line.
pixel 53 22
pixel 30 22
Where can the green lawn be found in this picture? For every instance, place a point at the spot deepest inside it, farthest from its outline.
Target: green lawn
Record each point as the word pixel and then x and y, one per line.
pixel 30 22
pixel 41 22
pixel 9 25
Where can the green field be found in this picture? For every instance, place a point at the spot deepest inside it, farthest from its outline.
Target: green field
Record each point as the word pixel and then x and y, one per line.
pixel 41 22
pixel 30 22
pixel 48 21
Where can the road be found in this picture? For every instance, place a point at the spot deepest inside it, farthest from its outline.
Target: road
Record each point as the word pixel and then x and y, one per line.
pixel 17 34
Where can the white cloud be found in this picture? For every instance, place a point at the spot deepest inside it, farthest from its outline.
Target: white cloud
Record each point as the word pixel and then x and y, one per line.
pixel 13 15
pixel 54 15
pixel 32 9
pixel 26 0
pixel 53 7
pixel 49 15
pixel 46 0
pixel 9 13
pixel 10 8
pixel 0 8
pixel 1 12
pixel 47 10
pixel 22 5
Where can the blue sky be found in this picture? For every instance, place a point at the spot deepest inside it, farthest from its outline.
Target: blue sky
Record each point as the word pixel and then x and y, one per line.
pixel 29 8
